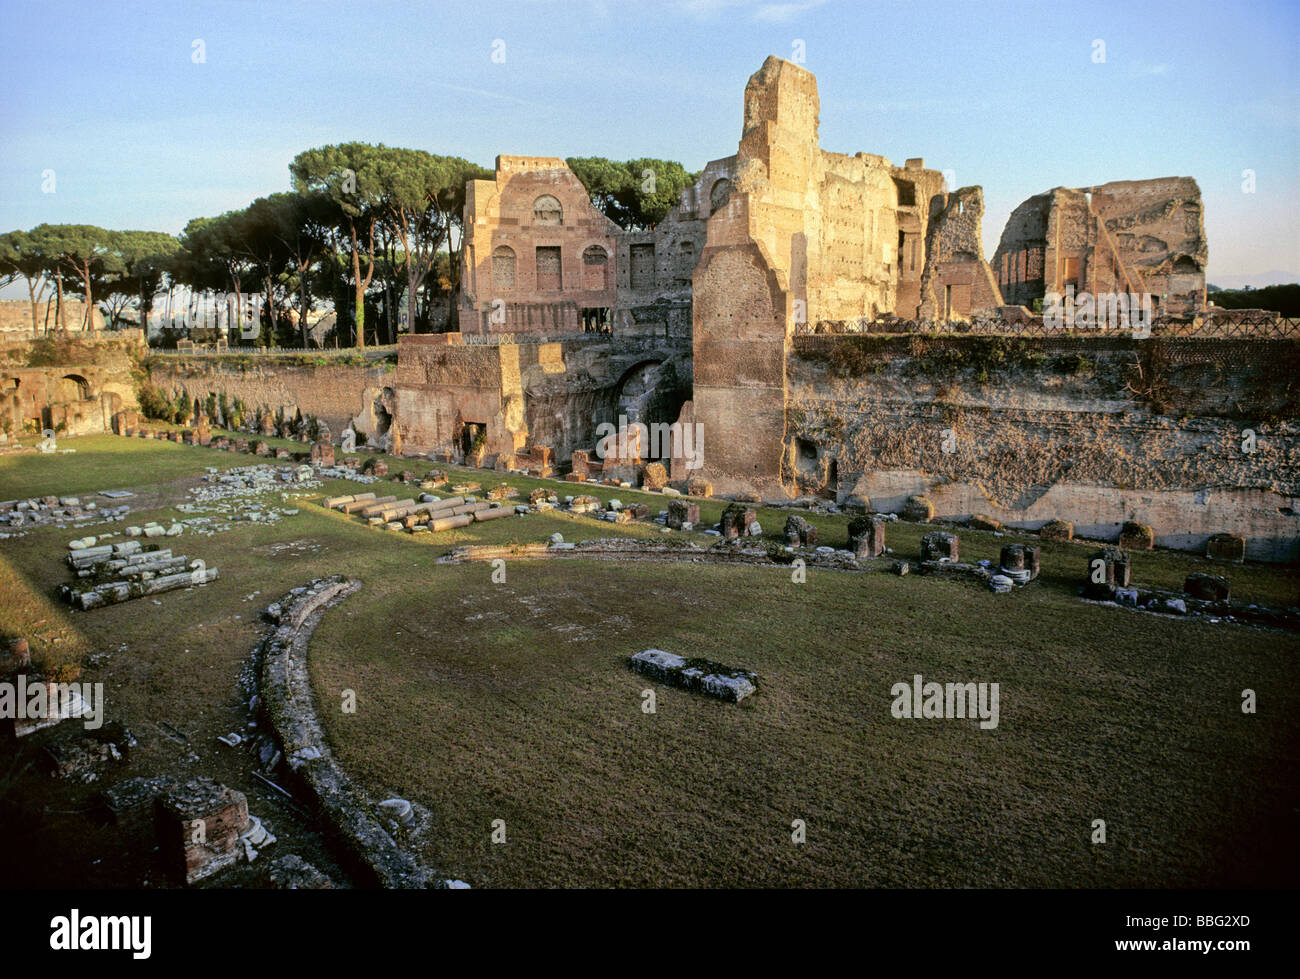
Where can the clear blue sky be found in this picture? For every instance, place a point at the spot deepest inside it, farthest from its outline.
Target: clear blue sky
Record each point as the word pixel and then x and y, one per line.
pixel 107 95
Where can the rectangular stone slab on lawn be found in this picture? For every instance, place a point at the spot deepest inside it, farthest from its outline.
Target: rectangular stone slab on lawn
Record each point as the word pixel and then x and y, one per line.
pixel 697 675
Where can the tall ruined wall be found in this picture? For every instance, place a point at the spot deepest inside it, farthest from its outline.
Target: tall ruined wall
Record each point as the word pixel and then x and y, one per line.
pixel 806 236
pixel 957 281
pixel 1090 430
pixel 1142 236
pixel 520 395
pixel 337 394
pixel 1159 228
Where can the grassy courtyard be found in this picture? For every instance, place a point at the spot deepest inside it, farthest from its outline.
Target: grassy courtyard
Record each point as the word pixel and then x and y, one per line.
pixel 513 701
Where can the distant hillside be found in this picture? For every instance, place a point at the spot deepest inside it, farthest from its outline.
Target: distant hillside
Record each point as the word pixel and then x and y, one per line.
pixel 1254 280
pixel 1284 299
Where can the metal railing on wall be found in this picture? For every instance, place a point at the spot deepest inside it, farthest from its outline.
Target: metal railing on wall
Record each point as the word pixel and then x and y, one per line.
pixel 1244 324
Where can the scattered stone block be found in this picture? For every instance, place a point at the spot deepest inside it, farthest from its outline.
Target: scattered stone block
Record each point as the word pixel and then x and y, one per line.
pixel 1136 537
pixel 901 568
pixel 1108 569
pixel 375 467
pixel 736 520
pixel 918 509
pixel 799 532
pixel 538 460
pixel 866 537
pixel 1057 530
pixel 1019 562
pixel 504 491
pixel 293 873
pixel 939 545
pixel 322 454
pixel 1226 547
pixel 697 486
pixel 585 504
pixel 957 571
pixel 655 476
pixel 982 521
pixel 700 676
pixel 1207 587
pixel 637 511
pixel 199 825
pixel 131 802
pixel 681 514
pixel 857 503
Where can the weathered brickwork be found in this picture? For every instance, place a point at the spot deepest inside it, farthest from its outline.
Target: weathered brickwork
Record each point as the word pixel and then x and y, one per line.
pixel 537 251
pixel 1138 236
pixel 806 236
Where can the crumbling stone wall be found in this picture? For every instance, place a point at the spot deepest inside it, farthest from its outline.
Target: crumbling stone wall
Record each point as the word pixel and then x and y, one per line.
pixel 957 281
pixel 337 394
pixel 655 266
pixel 1141 236
pixel 518 395
pixel 91 382
pixel 1159 228
pixel 1028 431
pixel 806 236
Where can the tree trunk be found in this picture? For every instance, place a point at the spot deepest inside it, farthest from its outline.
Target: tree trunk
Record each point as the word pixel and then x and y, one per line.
pixel 35 300
pixel 359 299
pixel 270 311
pixel 61 314
pixel 411 286
pixel 90 300
pixel 302 315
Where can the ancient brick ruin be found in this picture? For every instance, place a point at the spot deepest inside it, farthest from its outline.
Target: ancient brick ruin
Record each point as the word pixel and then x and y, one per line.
pixel 750 331
pixel 1131 236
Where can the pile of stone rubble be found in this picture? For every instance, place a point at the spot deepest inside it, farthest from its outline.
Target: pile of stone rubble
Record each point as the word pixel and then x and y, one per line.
pixel 19 516
pixel 234 496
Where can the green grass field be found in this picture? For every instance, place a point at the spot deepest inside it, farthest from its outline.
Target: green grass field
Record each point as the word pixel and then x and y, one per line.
pixel 514 701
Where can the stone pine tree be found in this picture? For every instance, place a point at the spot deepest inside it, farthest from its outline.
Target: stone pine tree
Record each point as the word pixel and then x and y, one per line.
pixel 421 197
pixel 23 256
pixel 636 194
pixel 303 223
pixel 213 258
pixel 346 175
pixel 84 256
pixel 142 260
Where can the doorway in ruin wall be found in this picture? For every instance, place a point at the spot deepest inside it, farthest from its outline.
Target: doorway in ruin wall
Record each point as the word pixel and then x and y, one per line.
pixel 650 393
